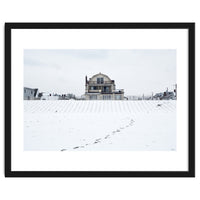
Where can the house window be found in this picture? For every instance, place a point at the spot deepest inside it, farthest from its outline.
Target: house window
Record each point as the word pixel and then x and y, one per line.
pixel 93 97
pixel 117 97
pixel 93 88
pixel 99 80
pixel 106 89
pixel 106 97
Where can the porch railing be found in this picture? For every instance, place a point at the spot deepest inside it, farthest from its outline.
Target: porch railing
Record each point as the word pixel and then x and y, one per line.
pixel 100 83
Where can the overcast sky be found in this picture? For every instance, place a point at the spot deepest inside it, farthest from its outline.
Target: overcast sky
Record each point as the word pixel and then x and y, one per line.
pixel 135 71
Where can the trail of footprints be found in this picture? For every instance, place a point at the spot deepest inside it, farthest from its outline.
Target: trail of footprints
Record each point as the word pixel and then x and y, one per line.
pixel 117 131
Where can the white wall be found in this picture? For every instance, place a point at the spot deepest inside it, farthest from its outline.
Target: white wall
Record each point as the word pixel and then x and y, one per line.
pixel 100 11
pixel 47 97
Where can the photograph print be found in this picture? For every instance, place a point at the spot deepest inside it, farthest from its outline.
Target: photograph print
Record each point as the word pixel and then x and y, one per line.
pixel 100 100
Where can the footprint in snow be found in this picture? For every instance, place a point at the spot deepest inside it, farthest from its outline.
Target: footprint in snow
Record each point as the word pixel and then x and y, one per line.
pixel 63 150
pixel 97 141
pixel 107 136
pixel 114 132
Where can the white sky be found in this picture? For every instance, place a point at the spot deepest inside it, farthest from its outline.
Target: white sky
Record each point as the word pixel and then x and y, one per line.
pixel 135 71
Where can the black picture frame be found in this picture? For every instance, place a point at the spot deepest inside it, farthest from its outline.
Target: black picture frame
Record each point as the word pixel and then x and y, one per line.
pixel 191 99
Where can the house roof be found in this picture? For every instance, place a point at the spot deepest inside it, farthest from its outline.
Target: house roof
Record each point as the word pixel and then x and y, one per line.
pixel 101 75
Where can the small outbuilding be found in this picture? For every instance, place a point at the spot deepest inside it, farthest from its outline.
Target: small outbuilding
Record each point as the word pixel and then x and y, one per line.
pixel 30 93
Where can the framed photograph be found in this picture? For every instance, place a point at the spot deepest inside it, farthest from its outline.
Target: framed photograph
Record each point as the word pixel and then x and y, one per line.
pixel 99 99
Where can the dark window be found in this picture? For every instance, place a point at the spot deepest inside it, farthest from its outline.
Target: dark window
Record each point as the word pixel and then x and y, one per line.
pixel 106 89
pixel 99 80
pixel 93 88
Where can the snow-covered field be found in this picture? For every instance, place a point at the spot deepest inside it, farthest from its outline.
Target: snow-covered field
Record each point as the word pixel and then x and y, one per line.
pixel 99 125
